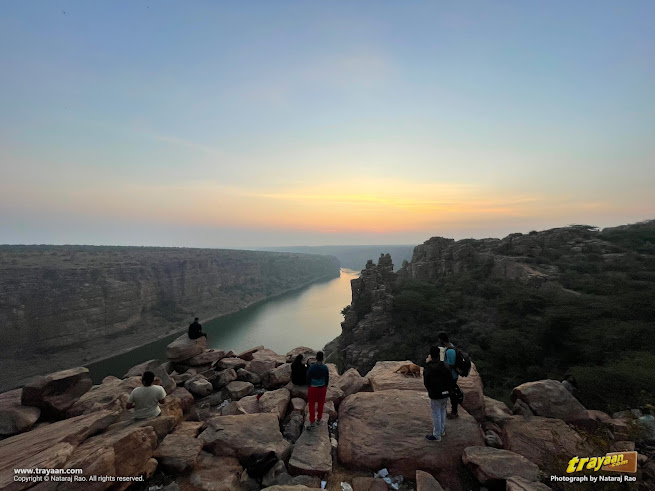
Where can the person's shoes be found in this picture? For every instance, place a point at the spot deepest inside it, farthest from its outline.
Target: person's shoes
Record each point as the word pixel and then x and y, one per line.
pixel 319 422
pixel 443 433
pixel 310 426
pixel 432 438
pixel 452 416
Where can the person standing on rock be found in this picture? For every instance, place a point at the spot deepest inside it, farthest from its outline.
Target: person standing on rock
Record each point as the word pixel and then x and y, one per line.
pixel 449 358
pixel 299 371
pixel 195 330
pixel 146 399
pixel 318 378
pixel 438 380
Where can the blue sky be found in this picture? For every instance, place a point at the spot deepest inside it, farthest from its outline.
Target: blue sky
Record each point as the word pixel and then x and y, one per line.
pixel 228 124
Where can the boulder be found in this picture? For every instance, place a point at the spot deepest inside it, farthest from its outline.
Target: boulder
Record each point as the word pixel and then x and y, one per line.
pixel 383 376
pixel 189 428
pixel 124 452
pixel 258 367
pixel 272 476
pixel 185 397
pixel 306 352
pixel 233 409
pixel 550 399
pixel 199 386
pixel 350 382
pixel 492 466
pixel 425 482
pixel 138 370
pixel 213 473
pixel 298 404
pixel 223 378
pixel 309 481
pixel 276 402
pixel 496 411
pixel 184 348
pixel 242 436
pixel 387 429
pixel 312 453
pixel 209 356
pixel 170 417
pixel 292 426
pixel 287 488
pixel 164 379
pixel 233 363
pixel 334 395
pixel 111 394
pixel 14 417
pixel 48 446
pixel 543 441
pixel 517 483
pixel 492 439
pixel 250 404
pixel 246 376
pixel 247 354
pixel 237 390
pixel 369 484
pixel 473 396
pixel 299 391
pixel 56 392
pixel 181 378
pixel 177 453
pixel 267 354
pixel 277 377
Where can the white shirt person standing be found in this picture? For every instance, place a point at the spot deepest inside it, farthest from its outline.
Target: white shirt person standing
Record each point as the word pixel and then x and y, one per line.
pixel 146 399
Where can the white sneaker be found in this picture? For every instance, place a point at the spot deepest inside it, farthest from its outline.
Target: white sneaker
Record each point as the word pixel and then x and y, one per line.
pixel 443 432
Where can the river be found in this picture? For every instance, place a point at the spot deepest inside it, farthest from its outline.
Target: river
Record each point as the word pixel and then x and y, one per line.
pixel 310 317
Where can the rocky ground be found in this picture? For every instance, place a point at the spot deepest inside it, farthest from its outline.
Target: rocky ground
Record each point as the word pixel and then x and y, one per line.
pixel 223 407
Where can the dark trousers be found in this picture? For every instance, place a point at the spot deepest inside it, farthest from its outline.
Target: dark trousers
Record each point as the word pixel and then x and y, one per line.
pixel 454 397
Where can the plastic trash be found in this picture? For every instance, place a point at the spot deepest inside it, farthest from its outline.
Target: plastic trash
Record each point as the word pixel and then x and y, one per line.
pixel 346 487
pixel 382 473
pixel 323 484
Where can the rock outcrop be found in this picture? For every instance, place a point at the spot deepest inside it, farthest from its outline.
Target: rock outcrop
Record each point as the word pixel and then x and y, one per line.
pixel 56 392
pixel 549 398
pixel 312 453
pixel 14 416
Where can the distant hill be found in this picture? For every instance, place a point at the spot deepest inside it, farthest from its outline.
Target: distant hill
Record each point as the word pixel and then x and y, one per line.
pixel 354 257
pixel 527 307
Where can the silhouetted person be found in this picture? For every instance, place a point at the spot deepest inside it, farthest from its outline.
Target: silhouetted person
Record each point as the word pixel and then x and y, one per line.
pixel 195 330
pixel 299 371
pixel 318 378
pixel 438 380
pixel 449 358
pixel 146 399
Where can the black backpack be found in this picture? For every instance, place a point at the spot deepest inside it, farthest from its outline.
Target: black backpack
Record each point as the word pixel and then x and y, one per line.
pixel 440 380
pixel 462 362
pixel 258 464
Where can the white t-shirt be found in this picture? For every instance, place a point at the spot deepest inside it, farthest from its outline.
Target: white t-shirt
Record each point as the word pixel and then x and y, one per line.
pixel 146 401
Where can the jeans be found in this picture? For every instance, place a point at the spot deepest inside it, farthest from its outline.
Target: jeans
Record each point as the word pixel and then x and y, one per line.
pixel 316 395
pixel 438 407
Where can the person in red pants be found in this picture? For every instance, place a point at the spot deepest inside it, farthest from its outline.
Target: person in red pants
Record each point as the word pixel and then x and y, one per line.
pixel 318 378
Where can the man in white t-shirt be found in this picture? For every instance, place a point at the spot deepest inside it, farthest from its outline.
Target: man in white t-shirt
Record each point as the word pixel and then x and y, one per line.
pixel 146 399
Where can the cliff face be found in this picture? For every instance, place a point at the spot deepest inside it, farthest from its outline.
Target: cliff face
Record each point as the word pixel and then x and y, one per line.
pixel 58 298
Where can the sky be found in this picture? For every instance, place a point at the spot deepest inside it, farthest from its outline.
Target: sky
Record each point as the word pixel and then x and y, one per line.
pixel 279 123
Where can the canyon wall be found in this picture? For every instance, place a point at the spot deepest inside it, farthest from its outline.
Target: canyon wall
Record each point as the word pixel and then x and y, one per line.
pixel 77 300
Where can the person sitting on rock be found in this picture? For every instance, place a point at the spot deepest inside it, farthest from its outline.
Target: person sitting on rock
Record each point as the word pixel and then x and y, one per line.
pixel 438 380
pixel 299 371
pixel 195 330
pixel 146 399
pixel 449 358
pixel 318 378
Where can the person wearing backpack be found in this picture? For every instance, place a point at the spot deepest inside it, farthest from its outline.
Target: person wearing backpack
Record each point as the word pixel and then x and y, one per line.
pixel 438 380
pixel 450 359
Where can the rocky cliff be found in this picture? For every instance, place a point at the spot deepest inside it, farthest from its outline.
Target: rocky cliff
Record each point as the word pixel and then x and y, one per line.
pixel 223 409
pixel 75 303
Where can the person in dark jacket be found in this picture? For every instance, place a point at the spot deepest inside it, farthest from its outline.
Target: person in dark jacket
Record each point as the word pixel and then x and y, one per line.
pixel 438 380
pixel 318 378
pixel 195 330
pixel 298 371
pixel 449 358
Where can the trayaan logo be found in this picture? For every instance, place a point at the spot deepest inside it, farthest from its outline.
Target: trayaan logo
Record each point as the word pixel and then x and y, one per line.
pixel 613 461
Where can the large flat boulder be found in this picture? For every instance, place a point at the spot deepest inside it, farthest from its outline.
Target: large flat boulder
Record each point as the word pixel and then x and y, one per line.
pixel 268 354
pixel 383 376
pixel 243 435
pixel 258 367
pixel 111 394
pixel 247 354
pixel 189 428
pixel 550 399
pixel 492 466
pixel 209 356
pixel 184 348
pixel 543 441
pixel 275 402
pixel 212 473
pixel 48 446
pixel 171 415
pixel 350 382
pixel 387 429
pixel 473 396
pixel 237 389
pixel 178 453
pixel 312 453
pixel 14 417
pixel 56 392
